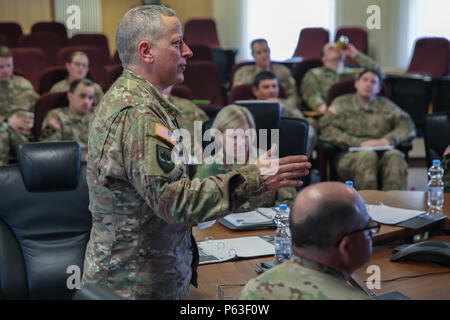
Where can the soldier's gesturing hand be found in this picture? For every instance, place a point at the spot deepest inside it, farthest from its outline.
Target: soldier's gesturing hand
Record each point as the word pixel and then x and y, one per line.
pixel 280 172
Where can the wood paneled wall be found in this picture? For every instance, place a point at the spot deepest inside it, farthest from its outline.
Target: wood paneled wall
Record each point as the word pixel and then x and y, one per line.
pixel 26 12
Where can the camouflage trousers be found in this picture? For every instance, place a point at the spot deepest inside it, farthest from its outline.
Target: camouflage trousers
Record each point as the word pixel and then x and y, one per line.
pixel 366 168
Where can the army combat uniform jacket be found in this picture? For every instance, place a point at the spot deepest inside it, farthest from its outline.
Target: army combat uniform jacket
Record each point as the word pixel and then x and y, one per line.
pixel 62 125
pixel 143 205
pixel 300 279
pixel 317 81
pixel 16 94
pixel 246 74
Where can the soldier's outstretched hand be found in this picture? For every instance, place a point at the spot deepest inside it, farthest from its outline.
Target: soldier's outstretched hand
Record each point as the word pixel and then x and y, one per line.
pixel 282 172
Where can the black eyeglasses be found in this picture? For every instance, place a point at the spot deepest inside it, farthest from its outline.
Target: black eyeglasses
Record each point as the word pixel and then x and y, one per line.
pixel 374 228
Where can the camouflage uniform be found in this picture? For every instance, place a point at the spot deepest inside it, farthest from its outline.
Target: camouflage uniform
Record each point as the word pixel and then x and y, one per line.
pixel 267 199
pixel 446 178
pixel 64 86
pixel 189 112
pixel 16 94
pixel 4 144
pixel 246 74
pixel 300 279
pixel 61 125
pixel 355 123
pixel 317 81
pixel 144 205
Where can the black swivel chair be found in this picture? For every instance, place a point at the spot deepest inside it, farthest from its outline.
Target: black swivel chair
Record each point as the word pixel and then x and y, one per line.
pixel 44 221
pixel 436 135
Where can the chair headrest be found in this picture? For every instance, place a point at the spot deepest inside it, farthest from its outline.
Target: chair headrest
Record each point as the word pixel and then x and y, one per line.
pixel 50 165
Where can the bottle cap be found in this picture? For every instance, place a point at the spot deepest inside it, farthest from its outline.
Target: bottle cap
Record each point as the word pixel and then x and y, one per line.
pixel 436 163
pixel 283 207
pixel 349 183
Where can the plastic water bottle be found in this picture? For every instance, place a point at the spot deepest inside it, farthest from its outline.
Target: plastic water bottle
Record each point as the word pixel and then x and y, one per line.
pixel 282 235
pixel 435 188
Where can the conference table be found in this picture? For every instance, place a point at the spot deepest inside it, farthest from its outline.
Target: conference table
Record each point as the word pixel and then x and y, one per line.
pixel 231 276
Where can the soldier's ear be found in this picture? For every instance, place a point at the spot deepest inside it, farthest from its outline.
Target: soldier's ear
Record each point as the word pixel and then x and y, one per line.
pixel 145 52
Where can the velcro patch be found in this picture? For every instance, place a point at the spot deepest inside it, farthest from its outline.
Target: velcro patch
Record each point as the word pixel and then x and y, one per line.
pixel 54 123
pixel 164 133
pixel 164 158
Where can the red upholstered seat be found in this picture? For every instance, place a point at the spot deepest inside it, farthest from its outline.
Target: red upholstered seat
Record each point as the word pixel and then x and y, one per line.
pixel 201 31
pixel 311 42
pixel 49 42
pixel 182 91
pixel 201 52
pixel 431 57
pixel 112 73
pixel 30 62
pixel 57 28
pixel 97 40
pixel 356 36
pixel 12 31
pixel 3 40
pixel 244 92
pixel 50 76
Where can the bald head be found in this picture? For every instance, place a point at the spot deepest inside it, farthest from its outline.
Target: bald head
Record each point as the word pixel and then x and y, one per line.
pixel 323 212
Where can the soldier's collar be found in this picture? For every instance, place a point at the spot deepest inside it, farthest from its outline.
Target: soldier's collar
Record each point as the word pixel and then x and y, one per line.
pixel 170 108
pixel 309 264
pixel 367 107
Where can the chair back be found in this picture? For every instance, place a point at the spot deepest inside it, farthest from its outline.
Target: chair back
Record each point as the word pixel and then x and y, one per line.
pixel 356 36
pixel 44 222
pixel 57 28
pixel 301 68
pixel 50 76
pixel 311 42
pixel 112 73
pixel 49 42
pixel 201 52
pixel 12 31
pixel 436 135
pixel 3 40
pixel 97 40
pixel 201 31
pixel 431 57
pixel 293 136
pixel 245 92
pixel 182 91
pixel 30 62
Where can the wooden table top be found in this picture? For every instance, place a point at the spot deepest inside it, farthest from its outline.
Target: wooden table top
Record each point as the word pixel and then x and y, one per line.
pixel 240 271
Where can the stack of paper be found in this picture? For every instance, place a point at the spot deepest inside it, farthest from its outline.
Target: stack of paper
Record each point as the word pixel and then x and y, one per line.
pixel 391 215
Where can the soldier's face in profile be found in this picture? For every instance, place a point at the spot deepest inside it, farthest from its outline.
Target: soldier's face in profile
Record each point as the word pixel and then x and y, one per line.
pixel 170 53
pixel 267 88
pixel 82 99
pixel 6 68
pixel 368 85
pixel 261 54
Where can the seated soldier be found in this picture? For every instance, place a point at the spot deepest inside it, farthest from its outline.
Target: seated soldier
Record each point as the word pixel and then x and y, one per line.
pixel 78 68
pixel 261 54
pixel 331 238
pixel 17 100
pixel 446 166
pixel 317 81
pixel 72 122
pixel 189 113
pixel 363 119
pixel 265 87
pixel 233 122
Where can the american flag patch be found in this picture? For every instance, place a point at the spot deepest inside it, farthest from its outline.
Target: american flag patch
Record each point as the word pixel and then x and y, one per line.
pixel 164 133
pixel 54 123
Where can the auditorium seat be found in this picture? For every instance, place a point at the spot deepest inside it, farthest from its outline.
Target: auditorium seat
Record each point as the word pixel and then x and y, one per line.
pixel 236 66
pixel 98 40
pixel 12 31
pixel 30 62
pixel 49 42
pixel 431 57
pixel 441 94
pixel 203 78
pixel 55 27
pixel 97 61
pixel 356 36
pixel 201 52
pixel 112 73
pixel 201 31
pixel 116 59
pixel 436 135
pixel 50 76
pixel 3 40
pixel 44 104
pixel 311 42
pixel 182 91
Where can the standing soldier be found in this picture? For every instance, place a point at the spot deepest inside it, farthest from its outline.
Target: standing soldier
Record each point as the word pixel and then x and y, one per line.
pixel 317 81
pixel 72 122
pixel 365 120
pixel 144 205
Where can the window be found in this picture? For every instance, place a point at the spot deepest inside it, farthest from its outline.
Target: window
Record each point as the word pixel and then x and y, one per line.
pixel 280 22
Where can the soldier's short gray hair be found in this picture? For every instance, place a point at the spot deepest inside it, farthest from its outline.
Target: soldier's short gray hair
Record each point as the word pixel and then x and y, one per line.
pixel 141 23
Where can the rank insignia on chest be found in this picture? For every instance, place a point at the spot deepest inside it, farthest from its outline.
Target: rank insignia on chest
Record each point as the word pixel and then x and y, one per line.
pixel 165 134
pixel 164 158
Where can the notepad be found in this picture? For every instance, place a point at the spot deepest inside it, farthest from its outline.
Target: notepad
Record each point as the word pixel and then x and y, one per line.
pixel 212 251
pixel 256 219
pixel 391 215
